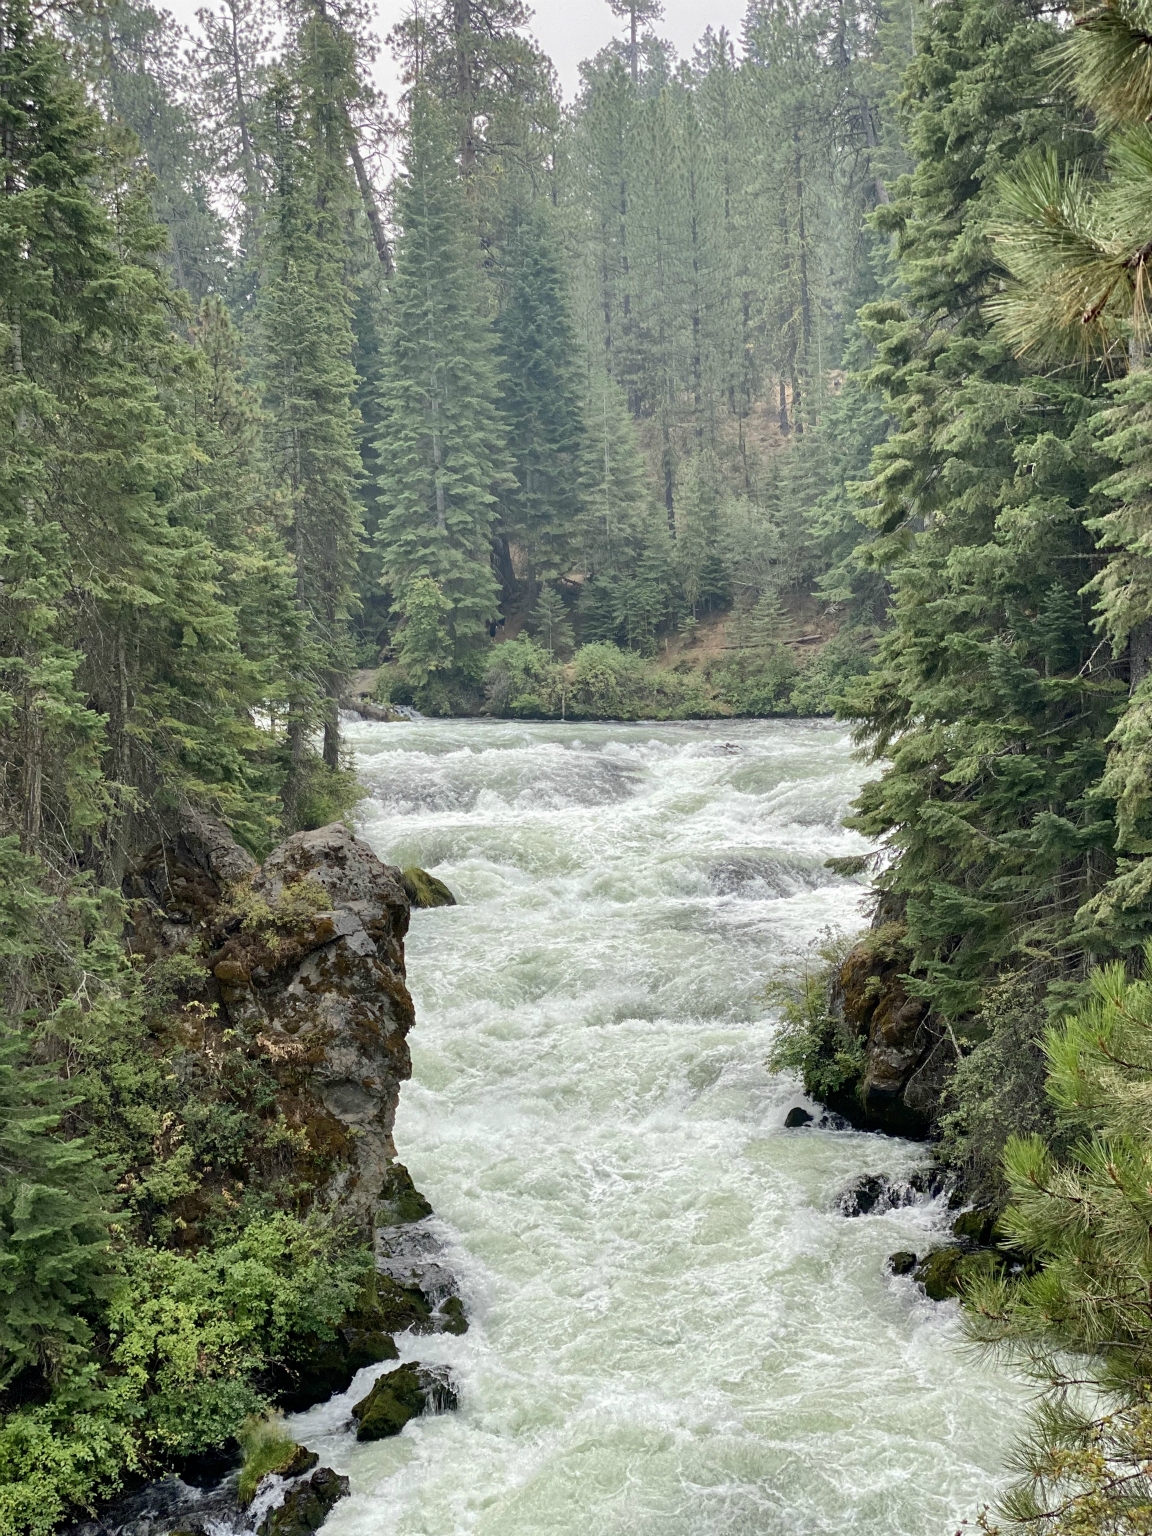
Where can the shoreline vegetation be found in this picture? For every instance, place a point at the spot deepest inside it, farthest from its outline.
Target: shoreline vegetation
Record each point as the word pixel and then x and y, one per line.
pixel 713 673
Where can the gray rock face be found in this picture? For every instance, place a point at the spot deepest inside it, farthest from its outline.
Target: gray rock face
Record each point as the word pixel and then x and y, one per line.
pixel 319 990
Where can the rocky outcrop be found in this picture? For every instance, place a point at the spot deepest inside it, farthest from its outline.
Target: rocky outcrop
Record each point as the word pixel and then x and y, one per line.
pixel 307 1506
pixel 303 974
pixel 906 1056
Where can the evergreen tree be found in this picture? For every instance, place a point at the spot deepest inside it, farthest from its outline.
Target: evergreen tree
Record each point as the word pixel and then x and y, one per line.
pixel 540 397
pixel 444 459
pixel 1077 1231
pixel 989 803
pixel 306 365
pixel 550 621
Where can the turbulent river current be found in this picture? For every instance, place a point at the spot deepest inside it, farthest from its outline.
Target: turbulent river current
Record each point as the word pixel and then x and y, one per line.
pixel 672 1329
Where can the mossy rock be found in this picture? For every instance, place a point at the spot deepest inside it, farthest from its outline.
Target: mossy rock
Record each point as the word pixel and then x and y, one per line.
pixel 403 1306
pixel 946 1271
pixel 400 1201
pixel 454 1318
pixel 308 1506
pixel 975 1227
pixel 940 1273
pixel 272 1455
pixel 400 1395
pixel 316 1367
pixel 902 1263
pixel 424 890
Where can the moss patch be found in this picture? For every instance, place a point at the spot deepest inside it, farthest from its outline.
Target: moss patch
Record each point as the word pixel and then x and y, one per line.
pixel 400 1200
pixel 397 1397
pixel 424 890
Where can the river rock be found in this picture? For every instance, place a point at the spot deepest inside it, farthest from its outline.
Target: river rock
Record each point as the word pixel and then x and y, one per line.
pixel 796 1118
pixel 906 1054
pixel 871 1194
pixel 425 890
pixel 306 1506
pixel 401 1395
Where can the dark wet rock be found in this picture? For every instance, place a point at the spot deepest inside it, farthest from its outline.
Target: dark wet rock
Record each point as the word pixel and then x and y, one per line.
pixel 307 1506
pixel 902 1262
pixel 319 1367
pixel 416 1288
pixel 871 1194
pixel 401 1395
pixel 164 1508
pixel 906 1055
pixel 400 1201
pixel 831 1121
pixel 425 890
pixel 451 1310
pixel 941 1273
pixel 797 1117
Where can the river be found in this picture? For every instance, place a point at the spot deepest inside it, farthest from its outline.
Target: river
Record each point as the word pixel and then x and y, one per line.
pixel 673 1331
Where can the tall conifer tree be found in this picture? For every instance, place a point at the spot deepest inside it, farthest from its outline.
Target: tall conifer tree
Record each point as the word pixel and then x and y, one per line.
pixel 443 456
pixel 541 398
pixel 309 381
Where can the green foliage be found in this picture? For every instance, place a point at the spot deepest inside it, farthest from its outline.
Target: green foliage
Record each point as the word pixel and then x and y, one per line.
pixel 540 398
pixel 997 1090
pixel 550 622
pixel 267 1447
pixel 811 1039
pixel 443 456
pixel 1079 1224
pixel 983 701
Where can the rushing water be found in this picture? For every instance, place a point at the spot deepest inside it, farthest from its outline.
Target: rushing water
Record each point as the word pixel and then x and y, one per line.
pixel 672 1329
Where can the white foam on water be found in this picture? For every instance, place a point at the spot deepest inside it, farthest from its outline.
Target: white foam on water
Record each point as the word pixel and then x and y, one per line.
pixel 671 1329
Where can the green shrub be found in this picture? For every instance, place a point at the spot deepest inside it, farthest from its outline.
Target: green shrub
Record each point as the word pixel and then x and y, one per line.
pixel 821 686
pixel 810 1039
pixel 755 681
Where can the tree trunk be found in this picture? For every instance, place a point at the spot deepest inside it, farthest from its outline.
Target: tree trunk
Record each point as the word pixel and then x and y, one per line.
pixel 1139 654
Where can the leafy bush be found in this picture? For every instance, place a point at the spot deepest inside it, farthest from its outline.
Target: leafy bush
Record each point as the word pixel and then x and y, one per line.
pixel 757 681
pixel 810 1039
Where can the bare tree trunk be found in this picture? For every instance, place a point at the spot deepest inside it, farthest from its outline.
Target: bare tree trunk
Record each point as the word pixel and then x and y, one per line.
pixel 465 85
pixel 368 198
pixel 1139 654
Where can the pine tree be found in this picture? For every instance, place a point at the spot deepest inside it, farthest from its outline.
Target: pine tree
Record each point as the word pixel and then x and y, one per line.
pixel 1073 1310
pixel 989 804
pixel 443 454
pixel 550 621
pixel 306 366
pixel 540 399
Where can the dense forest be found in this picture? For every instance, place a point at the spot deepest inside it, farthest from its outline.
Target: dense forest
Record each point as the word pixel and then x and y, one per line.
pixel 806 375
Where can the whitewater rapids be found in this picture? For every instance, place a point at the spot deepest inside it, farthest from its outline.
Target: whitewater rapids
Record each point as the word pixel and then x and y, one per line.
pixel 672 1331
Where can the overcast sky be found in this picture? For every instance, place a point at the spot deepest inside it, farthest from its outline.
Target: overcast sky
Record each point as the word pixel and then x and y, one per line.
pixel 568 30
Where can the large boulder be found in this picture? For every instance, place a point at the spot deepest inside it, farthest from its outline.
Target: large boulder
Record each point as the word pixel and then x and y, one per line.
pixel 310 973
pixel 403 1394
